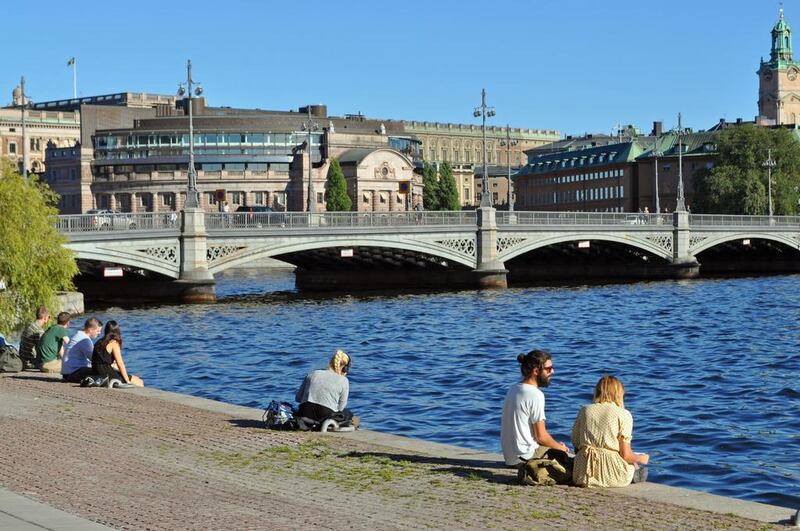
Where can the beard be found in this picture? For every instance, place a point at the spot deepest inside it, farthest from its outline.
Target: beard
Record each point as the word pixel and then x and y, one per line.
pixel 542 379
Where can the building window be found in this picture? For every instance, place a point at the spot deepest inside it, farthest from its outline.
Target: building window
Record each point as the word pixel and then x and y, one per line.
pixel 73 174
pixel 168 200
pixel 280 199
pixel 466 194
pixel 211 197
pixel 383 198
pixel 365 198
pixel 494 197
pixel 237 198
pixel 12 148
pixel 260 198
pixel 320 197
pixel 444 153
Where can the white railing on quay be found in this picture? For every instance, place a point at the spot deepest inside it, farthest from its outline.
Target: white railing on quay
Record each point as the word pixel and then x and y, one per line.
pixel 118 222
pixel 717 220
pixel 582 218
pixel 322 220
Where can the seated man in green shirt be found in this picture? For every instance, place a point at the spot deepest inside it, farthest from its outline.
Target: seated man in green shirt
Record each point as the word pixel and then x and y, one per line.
pixel 51 345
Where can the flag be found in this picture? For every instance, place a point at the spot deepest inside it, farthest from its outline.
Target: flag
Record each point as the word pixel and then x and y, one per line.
pixel 71 62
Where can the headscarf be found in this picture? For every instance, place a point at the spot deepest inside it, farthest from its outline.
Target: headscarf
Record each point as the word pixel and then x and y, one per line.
pixel 339 360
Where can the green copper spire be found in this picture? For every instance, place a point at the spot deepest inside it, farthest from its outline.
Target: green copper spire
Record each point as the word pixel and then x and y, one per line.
pixel 781 40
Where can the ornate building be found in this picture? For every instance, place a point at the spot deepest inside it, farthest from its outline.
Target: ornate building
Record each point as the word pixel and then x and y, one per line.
pixel 42 128
pixel 779 80
pixel 251 157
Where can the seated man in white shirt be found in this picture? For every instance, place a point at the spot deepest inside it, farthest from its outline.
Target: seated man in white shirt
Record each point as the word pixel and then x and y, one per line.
pixel 523 434
pixel 77 363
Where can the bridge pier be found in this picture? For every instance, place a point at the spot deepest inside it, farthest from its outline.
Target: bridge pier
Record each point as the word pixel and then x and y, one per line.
pixel 195 284
pixel 491 272
pixel 684 264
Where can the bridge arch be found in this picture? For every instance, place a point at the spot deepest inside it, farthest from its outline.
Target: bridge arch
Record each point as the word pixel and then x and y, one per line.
pixel 713 240
pixel 132 259
pixel 255 252
pixel 625 239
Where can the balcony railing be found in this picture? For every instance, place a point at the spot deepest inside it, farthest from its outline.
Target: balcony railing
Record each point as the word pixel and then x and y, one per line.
pixel 582 218
pixel 118 222
pixel 289 220
pixel 716 220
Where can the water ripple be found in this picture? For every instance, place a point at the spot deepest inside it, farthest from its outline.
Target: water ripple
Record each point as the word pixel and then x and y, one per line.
pixel 710 367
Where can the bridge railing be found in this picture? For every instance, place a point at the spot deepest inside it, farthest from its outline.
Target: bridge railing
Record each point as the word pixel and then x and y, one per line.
pixel 715 220
pixel 304 220
pixel 582 218
pixel 119 222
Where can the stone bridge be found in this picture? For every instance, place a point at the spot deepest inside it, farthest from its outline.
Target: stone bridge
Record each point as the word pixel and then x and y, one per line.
pixel 459 248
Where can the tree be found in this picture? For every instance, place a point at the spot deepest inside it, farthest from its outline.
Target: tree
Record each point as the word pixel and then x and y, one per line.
pixel 738 183
pixel 448 190
pixel 430 193
pixel 336 186
pixel 33 260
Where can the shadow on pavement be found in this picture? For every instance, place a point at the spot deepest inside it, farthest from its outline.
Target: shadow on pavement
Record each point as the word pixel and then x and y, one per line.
pixel 491 471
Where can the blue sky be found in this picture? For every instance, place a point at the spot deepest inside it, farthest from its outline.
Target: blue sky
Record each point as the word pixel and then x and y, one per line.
pixel 572 65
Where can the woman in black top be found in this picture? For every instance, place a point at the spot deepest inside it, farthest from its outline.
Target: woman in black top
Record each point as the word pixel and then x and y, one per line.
pixel 107 357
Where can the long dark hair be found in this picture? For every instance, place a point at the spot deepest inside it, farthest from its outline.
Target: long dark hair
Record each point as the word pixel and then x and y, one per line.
pixel 112 332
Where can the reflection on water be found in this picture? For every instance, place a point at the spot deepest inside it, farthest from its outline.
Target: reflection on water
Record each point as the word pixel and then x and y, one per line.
pixel 710 367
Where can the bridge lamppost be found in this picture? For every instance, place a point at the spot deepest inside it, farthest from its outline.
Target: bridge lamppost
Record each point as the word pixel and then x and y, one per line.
pixel 192 195
pixel 509 144
pixel 25 146
pixel 769 164
pixel 680 205
pixel 309 126
pixel 655 168
pixel 484 112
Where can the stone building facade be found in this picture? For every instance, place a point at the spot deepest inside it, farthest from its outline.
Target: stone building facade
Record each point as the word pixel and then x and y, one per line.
pixel 463 143
pixel 594 175
pixel 253 157
pixel 779 80
pixel 42 128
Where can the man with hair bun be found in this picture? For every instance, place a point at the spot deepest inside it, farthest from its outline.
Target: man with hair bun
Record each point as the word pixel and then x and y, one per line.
pixel 523 434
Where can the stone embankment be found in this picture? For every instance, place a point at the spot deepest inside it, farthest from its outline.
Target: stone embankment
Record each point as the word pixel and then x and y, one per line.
pixel 147 459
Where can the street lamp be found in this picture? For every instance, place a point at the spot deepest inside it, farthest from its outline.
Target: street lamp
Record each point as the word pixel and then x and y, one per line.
pixel 509 144
pixel 192 195
pixel 310 125
pixel 680 205
pixel 24 104
pixel 655 167
pixel 484 112
pixel 769 164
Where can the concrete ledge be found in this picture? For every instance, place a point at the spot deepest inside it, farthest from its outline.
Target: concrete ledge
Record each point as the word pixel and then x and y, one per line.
pixel 649 491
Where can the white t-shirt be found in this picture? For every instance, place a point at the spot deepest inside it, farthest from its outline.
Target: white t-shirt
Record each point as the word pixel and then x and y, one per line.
pixel 523 407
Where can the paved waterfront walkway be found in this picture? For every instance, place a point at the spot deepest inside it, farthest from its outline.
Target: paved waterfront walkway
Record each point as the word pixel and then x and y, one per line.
pixel 147 459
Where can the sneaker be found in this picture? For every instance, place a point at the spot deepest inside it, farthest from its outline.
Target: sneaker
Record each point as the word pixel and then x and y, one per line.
pixel 87 382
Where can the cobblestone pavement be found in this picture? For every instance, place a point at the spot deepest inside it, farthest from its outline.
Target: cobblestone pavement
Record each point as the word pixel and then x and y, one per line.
pixel 135 462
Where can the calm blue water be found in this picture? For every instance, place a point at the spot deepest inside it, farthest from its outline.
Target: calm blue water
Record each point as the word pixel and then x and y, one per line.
pixel 711 367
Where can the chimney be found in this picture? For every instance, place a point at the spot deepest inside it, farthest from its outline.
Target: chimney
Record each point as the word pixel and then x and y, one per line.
pixel 738 121
pixel 657 128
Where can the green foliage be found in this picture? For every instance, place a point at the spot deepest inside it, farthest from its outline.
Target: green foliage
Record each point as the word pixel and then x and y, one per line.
pixel 738 183
pixel 430 194
pixel 336 186
pixel 33 260
pixel 448 190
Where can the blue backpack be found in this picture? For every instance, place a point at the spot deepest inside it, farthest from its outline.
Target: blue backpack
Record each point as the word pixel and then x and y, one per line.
pixel 279 416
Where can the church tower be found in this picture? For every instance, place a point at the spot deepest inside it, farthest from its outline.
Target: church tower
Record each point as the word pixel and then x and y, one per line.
pixel 778 80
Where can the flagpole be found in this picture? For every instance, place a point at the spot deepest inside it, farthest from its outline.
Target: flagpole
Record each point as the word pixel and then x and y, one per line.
pixel 74 78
